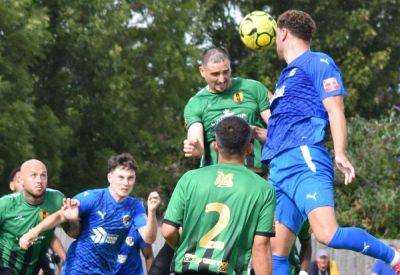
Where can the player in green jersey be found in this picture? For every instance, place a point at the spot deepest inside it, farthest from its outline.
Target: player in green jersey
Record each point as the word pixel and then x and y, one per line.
pixel 21 211
pixel 224 96
pixel 226 211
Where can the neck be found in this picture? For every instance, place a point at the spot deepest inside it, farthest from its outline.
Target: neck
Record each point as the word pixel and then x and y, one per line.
pixel 231 159
pixel 295 49
pixel 32 200
pixel 115 196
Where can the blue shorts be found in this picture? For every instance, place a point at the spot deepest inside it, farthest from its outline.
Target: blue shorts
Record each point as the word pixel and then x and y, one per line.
pixel 303 180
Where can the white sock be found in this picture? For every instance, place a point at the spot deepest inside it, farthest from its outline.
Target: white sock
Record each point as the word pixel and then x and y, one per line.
pixel 396 258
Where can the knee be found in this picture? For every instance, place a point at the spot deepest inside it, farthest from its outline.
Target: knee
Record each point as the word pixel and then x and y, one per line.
pixel 325 235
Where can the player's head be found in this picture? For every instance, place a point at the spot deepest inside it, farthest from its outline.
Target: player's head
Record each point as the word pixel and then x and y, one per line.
pixel 233 135
pixel 121 174
pixel 14 180
pixel 294 24
pixel 33 176
pixel 216 69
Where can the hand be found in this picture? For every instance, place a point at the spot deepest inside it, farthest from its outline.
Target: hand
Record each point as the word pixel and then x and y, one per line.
pixel 259 133
pixel 344 165
pixel 153 201
pixel 28 239
pixel 192 148
pixel 71 209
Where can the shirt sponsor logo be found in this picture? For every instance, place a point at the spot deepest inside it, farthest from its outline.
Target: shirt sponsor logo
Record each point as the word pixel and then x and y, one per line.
pixel 238 97
pixel 224 180
pixel 221 266
pixel 331 84
pixel 101 236
pixel 228 113
pixel 122 258
pixel 19 218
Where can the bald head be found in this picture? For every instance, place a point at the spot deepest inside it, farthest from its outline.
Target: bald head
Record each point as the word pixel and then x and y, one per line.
pixel 34 178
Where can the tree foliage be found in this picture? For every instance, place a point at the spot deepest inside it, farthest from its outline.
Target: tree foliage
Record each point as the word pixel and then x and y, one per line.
pixel 82 80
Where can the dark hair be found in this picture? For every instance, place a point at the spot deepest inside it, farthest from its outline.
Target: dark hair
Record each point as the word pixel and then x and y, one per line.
pixel 125 160
pixel 214 54
pixel 232 134
pixel 13 173
pixel 299 23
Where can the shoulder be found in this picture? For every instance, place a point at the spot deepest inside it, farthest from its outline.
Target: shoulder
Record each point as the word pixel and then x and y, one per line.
pixel 6 199
pixel 247 82
pixel 320 60
pixel 54 193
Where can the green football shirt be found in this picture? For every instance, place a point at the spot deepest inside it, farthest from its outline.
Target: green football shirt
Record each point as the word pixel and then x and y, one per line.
pixel 245 98
pixel 16 218
pixel 220 208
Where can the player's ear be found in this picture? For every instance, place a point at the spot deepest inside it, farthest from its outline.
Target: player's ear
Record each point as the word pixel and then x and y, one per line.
pixel 109 177
pixel 215 147
pixel 12 187
pixel 202 70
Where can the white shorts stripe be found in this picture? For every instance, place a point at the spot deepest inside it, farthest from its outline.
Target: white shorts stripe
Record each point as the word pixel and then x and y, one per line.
pixel 307 158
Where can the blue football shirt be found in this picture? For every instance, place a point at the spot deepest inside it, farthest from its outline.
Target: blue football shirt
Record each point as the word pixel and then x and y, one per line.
pixel 382 268
pixel 129 261
pixel 298 116
pixel 105 223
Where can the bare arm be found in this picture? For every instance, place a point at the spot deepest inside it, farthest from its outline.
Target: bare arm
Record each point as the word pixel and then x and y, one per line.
pixel 335 108
pixel 148 256
pixel 69 212
pixel 305 255
pixel 170 234
pixel 262 257
pixel 58 248
pixel 193 145
pixel 149 231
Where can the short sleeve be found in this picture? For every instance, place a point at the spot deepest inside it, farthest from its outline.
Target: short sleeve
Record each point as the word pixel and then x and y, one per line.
pixel 176 206
pixel 139 215
pixel 265 224
pixel 2 210
pixel 262 97
pixel 192 112
pixel 86 201
pixel 326 77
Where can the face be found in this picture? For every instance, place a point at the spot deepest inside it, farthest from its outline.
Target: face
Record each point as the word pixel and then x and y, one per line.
pixel 217 75
pixel 16 183
pixel 33 176
pixel 323 263
pixel 121 181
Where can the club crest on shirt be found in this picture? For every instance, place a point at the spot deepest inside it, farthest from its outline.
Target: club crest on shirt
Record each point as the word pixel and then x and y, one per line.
pixel 238 97
pixel 224 180
pixel 126 219
pixel 129 241
pixel 43 214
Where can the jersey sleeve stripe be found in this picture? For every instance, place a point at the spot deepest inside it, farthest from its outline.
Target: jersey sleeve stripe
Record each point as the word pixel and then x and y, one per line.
pixel 174 224
pixel 265 234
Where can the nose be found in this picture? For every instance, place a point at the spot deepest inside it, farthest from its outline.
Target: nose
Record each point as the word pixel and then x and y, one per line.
pixel 221 78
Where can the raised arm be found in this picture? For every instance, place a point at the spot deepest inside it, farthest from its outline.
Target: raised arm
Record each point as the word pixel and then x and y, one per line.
pixel 149 231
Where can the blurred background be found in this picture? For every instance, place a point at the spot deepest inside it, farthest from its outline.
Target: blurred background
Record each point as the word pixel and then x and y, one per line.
pixel 83 80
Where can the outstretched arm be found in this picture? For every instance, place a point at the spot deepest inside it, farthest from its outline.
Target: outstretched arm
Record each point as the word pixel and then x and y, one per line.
pixel 335 108
pixel 149 231
pixel 69 212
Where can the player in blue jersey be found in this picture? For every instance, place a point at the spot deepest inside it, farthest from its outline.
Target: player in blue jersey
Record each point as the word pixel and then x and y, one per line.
pixel 104 218
pixel 129 261
pixel 308 97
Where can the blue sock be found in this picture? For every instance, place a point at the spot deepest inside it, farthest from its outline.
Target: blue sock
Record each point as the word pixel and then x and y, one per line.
pixel 359 240
pixel 280 265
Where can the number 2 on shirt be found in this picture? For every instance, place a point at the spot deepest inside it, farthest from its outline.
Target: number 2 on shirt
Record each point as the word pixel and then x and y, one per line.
pixel 224 216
